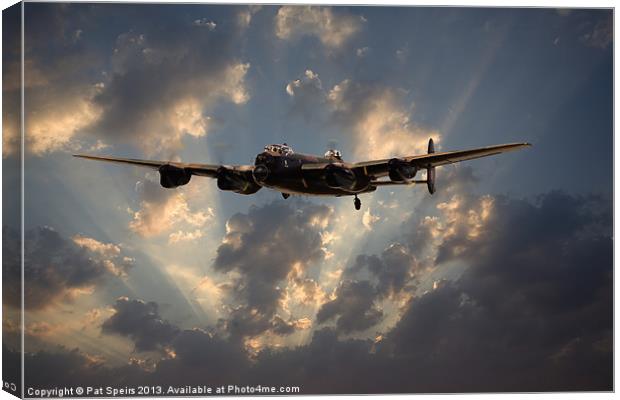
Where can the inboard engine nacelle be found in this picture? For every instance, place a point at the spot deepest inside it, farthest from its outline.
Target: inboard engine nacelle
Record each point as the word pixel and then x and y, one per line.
pixel 236 181
pixel 340 177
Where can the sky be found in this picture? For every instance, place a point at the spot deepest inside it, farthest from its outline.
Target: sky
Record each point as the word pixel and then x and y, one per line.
pixel 500 281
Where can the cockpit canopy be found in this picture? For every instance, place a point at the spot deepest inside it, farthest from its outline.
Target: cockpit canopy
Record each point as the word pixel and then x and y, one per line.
pixel 279 149
pixel 333 153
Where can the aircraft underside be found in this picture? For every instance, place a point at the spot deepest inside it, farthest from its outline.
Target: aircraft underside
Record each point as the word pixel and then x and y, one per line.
pixel 299 188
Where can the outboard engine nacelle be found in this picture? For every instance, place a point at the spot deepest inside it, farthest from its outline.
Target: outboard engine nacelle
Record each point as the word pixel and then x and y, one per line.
pixel 171 177
pixel 400 170
pixel 339 177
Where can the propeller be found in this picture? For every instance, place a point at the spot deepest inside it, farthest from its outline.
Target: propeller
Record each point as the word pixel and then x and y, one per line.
pixel 260 173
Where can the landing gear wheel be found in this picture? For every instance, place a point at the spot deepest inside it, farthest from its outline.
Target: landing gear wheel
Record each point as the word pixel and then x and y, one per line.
pixel 285 195
pixel 357 202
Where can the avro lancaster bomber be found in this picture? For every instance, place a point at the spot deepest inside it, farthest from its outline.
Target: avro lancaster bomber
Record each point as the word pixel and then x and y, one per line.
pixel 278 167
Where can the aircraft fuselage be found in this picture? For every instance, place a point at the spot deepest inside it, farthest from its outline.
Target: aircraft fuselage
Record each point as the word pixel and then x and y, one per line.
pixel 289 174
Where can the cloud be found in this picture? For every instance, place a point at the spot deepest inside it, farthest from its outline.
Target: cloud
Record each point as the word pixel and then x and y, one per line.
pixel 56 114
pixel 394 270
pixel 263 248
pixel 362 51
pixel 333 29
pixel 58 90
pixel 56 268
pixel 532 312
pixel 180 236
pixel 375 117
pixel 307 95
pixel 448 211
pixel 601 35
pixel 377 120
pixel 203 358
pixel 281 327
pixel 42 329
pixel 110 254
pixel 401 54
pixel 57 107
pixel 369 219
pixel 244 18
pixel 11 94
pixel 140 321
pixel 309 82
pixel 153 89
pixel 163 210
pixel 329 365
pixel 78 369
pixel 353 308
pixel 206 23
pixel 539 278
pixel 356 304
pixel 191 76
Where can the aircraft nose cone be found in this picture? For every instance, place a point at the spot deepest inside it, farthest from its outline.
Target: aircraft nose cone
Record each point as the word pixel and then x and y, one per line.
pixel 260 173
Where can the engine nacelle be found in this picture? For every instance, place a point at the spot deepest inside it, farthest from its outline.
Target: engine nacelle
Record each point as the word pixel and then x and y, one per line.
pixel 400 170
pixel 171 177
pixel 236 181
pixel 340 178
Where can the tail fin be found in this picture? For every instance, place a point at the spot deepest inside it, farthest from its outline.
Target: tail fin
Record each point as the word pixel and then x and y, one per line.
pixel 430 171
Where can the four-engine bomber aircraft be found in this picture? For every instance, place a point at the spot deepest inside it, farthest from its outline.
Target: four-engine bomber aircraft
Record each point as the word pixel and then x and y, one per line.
pixel 281 169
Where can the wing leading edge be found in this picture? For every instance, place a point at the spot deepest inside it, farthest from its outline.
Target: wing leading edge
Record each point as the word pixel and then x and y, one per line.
pixel 207 170
pixel 380 168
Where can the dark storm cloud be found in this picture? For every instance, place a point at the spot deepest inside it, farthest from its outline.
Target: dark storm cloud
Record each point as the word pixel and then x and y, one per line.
pixel 533 312
pixel 327 365
pixel 393 269
pixel 248 321
pixel 203 358
pixel 53 267
pixel 535 302
pixel 282 327
pixel 263 246
pixel 140 321
pixel 369 280
pixel 199 359
pixel 354 307
pixel 65 367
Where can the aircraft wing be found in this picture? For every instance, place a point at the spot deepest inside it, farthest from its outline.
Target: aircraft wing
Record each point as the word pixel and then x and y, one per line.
pixel 207 170
pixel 380 168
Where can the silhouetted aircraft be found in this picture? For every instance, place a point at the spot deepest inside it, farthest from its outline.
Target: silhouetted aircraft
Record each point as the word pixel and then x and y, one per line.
pixel 278 167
